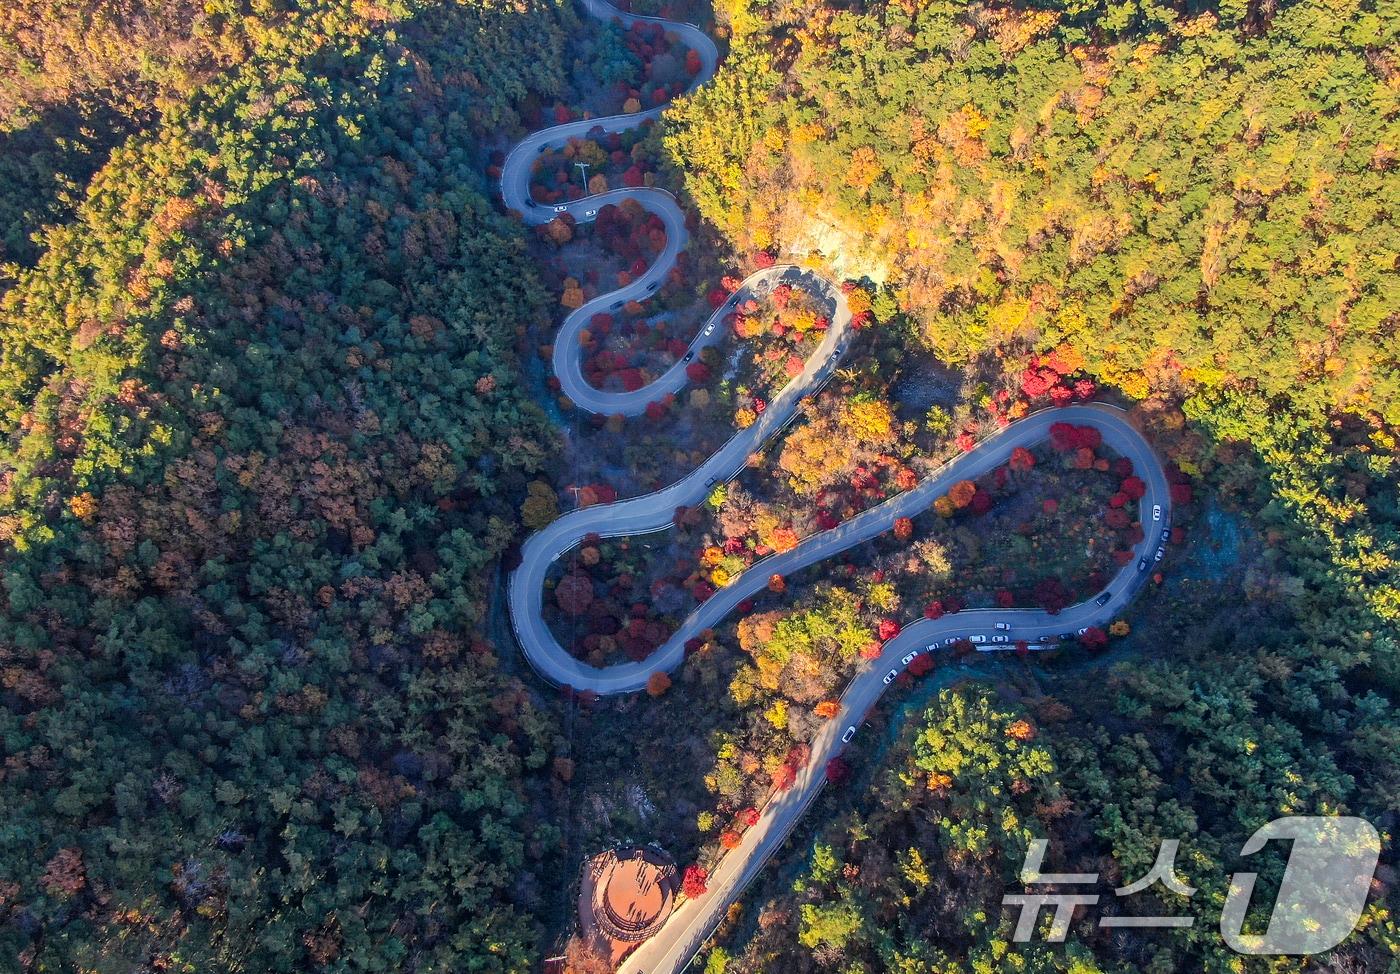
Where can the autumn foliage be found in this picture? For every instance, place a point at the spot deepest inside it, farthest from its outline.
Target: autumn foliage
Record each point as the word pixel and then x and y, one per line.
pixel 962 492
pixel 694 881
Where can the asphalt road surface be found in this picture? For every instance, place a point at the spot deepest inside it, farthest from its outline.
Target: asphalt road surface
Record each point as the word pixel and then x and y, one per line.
pixel 670 950
pixel 515 189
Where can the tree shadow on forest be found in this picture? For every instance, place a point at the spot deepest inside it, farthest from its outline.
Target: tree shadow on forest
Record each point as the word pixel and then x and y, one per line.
pixel 45 166
pixel 250 357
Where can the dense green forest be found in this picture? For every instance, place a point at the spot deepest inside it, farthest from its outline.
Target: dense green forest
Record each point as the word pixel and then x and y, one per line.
pixel 79 76
pixel 263 439
pixel 918 852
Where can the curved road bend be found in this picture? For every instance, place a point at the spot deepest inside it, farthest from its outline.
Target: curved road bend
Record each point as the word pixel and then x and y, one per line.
pixel 670 950
pixel 515 190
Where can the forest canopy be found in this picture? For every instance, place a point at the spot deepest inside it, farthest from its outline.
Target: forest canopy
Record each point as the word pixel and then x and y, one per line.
pixel 270 429
pixel 1193 200
pixel 1197 205
pixel 264 437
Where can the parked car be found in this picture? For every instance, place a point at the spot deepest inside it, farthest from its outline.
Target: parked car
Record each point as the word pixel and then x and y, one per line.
pixel 616 305
pixel 688 355
pixel 1103 599
pixel 889 677
pixel 653 286
pixel 1003 626
pixel 1065 637
pixel 1142 564
pixel 712 481
pixel 1047 638
pixel 950 640
pixel 1001 638
pixel 1084 630
pixel 1156 512
pixel 846 737
pixel 1166 534
pixel 1161 553
pixel 590 212
pixel 977 639
pixel 561 209
pixel 909 659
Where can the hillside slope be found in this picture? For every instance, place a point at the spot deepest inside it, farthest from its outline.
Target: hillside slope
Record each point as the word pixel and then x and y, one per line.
pixel 264 435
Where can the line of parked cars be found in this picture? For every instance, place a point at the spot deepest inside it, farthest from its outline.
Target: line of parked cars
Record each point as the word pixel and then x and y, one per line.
pixel 1002 632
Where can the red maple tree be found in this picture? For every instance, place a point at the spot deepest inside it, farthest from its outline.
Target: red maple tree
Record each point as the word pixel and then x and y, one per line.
pixel 695 880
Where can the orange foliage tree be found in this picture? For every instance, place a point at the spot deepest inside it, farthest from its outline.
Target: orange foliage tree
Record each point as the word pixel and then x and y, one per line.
pixel 962 493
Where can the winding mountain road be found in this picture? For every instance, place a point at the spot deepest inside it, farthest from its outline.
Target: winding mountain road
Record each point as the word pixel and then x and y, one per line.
pixel 671 949
pixel 515 190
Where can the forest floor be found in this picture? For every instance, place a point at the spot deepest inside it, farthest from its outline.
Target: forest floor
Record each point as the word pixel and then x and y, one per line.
pixel 929 383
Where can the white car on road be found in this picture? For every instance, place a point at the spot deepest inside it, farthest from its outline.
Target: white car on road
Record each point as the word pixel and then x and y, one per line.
pixel 889 677
pixel 909 659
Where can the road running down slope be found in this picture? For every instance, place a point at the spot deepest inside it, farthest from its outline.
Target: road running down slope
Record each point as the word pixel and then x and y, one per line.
pixel 671 949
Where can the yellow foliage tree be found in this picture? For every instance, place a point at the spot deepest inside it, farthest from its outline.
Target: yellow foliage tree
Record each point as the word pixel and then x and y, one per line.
pixel 83 506
pixel 541 505
pixel 869 421
pixel 559 231
pixel 573 294
pixel 864 169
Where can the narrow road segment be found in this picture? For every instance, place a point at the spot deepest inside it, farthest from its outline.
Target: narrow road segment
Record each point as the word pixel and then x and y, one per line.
pixel 671 949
